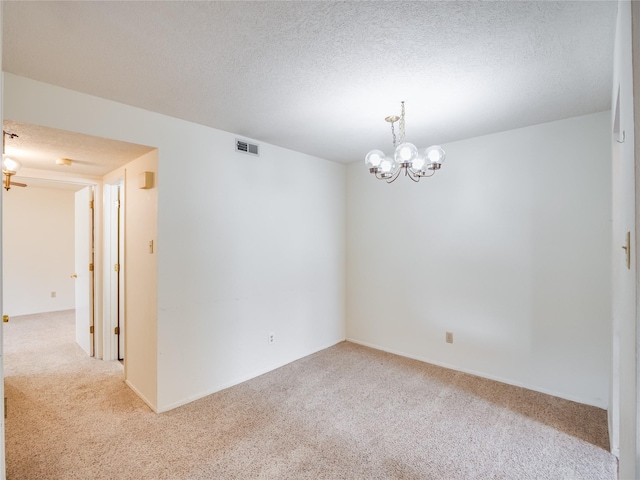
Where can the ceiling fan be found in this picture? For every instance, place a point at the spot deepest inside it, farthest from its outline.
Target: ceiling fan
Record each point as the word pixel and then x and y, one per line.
pixel 12 184
pixel 9 165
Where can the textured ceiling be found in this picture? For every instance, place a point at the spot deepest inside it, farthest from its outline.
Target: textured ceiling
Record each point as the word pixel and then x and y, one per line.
pixel 319 77
pixel 39 147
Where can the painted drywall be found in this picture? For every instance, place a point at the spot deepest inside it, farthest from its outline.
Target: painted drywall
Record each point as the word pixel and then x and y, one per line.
pixel 38 251
pixel 141 273
pixel 139 269
pixel 507 247
pixel 260 247
pixel 246 245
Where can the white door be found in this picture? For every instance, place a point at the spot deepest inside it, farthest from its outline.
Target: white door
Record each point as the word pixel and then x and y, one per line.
pixel 84 268
pixel 116 254
pixel 121 319
pixel 624 381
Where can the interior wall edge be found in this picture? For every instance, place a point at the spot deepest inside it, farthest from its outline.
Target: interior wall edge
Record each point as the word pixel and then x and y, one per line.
pixel 142 397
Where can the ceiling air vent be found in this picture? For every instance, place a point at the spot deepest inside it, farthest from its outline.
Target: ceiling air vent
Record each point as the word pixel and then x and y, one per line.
pixel 244 147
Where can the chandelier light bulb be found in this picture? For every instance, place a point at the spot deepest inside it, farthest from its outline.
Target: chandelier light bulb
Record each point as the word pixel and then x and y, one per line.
pixel 388 165
pixel 10 165
pixel 405 153
pixel 419 164
pixel 374 158
pixel 436 155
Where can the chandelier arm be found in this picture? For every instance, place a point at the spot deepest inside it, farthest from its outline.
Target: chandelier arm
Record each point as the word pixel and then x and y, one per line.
pixel 426 176
pixel 380 176
pixel 413 176
pixel 395 176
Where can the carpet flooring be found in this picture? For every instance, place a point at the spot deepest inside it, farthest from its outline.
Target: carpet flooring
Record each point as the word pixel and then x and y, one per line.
pixel 347 412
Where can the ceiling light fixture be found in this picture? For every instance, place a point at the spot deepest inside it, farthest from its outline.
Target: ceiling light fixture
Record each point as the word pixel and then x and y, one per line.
pixel 9 165
pixel 64 162
pixel 415 163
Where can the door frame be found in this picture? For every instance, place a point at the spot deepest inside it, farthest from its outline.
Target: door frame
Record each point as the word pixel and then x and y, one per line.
pixel 112 308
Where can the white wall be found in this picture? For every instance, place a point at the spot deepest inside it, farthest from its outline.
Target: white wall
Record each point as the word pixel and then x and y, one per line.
pixel 141 277
pixel 246 246
pixel 140 271
pixel 259 247
pixel 508 247
pixel 38 251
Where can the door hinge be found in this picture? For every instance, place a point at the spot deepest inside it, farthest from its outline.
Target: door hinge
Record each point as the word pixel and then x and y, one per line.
pixel 116 331
pixel 91 267
pixel 91 329
pixel 627 250
pixel 116 267
pixel 117 203
pixel 91 204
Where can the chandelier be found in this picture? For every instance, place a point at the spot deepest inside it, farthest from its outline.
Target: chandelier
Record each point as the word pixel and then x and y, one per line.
pixel 9 166
pixel 406 157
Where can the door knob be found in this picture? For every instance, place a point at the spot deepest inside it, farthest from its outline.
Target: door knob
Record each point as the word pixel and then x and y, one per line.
pixel 5 318
pixel 75 275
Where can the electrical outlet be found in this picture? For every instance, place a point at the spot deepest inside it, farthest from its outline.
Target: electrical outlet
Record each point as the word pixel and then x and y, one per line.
pixel 272 337
pixel 449 337
pixel 53 294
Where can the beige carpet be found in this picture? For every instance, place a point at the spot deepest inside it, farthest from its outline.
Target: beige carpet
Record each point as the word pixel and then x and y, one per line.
pixel 348 412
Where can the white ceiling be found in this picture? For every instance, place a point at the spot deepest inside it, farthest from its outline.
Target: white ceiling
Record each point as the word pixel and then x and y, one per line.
pixel 319 77
pixel 39 147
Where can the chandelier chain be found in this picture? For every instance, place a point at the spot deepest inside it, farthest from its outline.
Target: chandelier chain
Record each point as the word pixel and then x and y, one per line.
pixel 393 133
pixel 401 124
